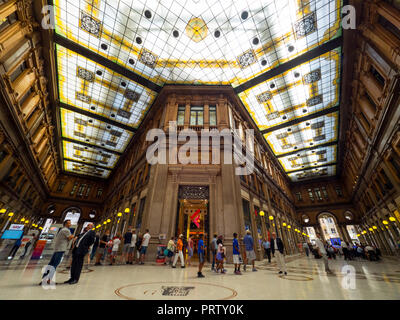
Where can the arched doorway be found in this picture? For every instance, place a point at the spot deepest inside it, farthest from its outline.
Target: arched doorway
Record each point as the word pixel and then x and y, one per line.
pixel 73 214
pixel 330 230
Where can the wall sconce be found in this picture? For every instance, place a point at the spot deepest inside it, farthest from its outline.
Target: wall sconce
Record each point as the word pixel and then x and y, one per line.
pixel 392 219
pixel 385 222
pixel 271 218
pixel 11 214
pixel 3 210
pixel 262 213
pixel 119 214
pixel 127 210
pixel 108 220
pixel 284 224
pixel 375 227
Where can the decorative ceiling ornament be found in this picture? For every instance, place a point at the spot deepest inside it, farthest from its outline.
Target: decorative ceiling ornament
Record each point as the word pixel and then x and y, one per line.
pixel 82 97
pixel 131 95
pixel 306 25
pixel 264 97
pixel 85 74
pixel 247 58
pixel 312 77
pixel 148 58
pixel 196 29
pixel 90 24
pixel 314 101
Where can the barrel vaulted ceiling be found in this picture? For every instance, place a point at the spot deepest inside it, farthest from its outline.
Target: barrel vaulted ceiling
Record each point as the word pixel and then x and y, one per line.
pixel 282 58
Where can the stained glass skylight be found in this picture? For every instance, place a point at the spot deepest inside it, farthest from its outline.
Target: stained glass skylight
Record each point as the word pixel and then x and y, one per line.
pixel 232 42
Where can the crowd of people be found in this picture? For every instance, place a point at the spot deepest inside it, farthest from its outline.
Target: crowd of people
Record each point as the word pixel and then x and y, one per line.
pixel 133 248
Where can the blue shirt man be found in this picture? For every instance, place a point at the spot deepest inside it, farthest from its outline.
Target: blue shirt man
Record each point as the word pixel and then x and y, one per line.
pixel 236 246
pixel 200 246
pixel 266 244
pixel 248 242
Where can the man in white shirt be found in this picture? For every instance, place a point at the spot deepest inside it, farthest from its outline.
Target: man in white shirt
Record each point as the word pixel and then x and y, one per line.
pixel 144 245
pixel 322 251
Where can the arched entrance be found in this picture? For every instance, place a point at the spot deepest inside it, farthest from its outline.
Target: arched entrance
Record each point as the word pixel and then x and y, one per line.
pixel 330 230
pixel 73 214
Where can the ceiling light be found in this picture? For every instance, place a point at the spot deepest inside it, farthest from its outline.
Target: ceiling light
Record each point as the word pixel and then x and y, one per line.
pixel 175 33
pixel 147 14
pixel 217 33
pixel 99 72
pixel 104 46
pixel 131 61
pixel 138 40
pixel 263 62
pixel 256 41
pixel 244 15
pixel 290 48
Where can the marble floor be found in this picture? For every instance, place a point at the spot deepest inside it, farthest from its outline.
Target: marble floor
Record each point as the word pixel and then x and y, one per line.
pixel 306 280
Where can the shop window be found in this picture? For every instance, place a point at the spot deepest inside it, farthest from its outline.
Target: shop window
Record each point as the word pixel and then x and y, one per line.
pixel 181 115
pixel 140 213
pixel 378 77
pixel 389 26
pixel 311 195
pixel 324 192
pixel 338 190
pixel 298 196
pixel 196 115
pixel 318 193
pixel 61 186
pixel 213 115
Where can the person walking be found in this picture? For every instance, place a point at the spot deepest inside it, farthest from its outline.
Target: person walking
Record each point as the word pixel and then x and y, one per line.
pixel 138 246
pixel 200 253
pixel 267 249
pixel 306 248
pixel 277 250
pixel 61 242
pixel 179 253
pixel 322 252
pixel 144 245
pixel 102 252
pixel 81 249
pixel 345 249
pixel 221 255
pixel 236 254
pixel 214 247
pixel 171 250
pixel 26 247
pixel 189 250
pixel 250 254
pixel 15 248
pixel 127 244
pixel 132 246
pixel 115 247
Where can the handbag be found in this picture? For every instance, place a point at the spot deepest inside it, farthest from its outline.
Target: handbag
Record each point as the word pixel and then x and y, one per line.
pixel 166 252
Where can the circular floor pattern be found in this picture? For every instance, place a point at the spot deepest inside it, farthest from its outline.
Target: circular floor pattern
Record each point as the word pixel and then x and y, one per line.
pixel 175 291
pixel 83 271
pixel 295 277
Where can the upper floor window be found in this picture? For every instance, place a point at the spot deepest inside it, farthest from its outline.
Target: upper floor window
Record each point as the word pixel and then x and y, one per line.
pixel 61 186
pixel 318 193
pixel 395 3
pixel 17 71
pixel 99 193
pixel 196 115
pixel 81 189
pixel 213 115
pixel 3 155
pixel 389 26
pixel 73 189
pixel 181 115
pixel 310 194
pixel 378 77
pixel 338 190
pixel 298 196
pixel 324 193
pixel 7 21
pixel 88 190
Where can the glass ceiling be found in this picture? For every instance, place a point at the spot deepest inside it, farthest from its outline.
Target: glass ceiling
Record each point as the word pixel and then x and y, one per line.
pixel 199 42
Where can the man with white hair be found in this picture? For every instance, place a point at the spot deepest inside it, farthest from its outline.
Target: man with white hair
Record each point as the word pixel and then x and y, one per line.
pixel 79 252
pixel 277 251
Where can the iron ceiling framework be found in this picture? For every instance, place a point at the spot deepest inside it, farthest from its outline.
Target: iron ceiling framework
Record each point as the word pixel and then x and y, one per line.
pixel 140 80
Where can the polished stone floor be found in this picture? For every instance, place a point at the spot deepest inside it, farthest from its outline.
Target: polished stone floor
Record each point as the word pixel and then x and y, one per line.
pixel 306 279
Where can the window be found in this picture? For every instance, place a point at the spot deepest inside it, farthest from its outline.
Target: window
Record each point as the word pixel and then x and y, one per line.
pixel 8 21
pixel 324 193
pixel 395 3
pixel 213 115
pixel 318 193
pixel 73 189
pixel 387 184
pixel 140 213
pixel 25 96
pixel 310 194
pixel 246 212
pixel 298 196
pixel 378 77
pixel 396 166
pixel 196 115
pixel 99 193
pixel 3 155
pixel 61 186
pixel 339 191
pixel 81 189
pixel 17 71
pixel 88 191
pixel 389 26
pixel 181 115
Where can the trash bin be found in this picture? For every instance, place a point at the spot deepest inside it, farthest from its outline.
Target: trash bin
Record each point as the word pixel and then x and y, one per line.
pixel 160 253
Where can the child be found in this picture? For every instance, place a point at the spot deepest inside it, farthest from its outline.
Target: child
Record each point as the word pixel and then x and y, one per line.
pixel 115 246
pixel 220 256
